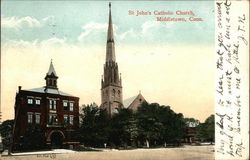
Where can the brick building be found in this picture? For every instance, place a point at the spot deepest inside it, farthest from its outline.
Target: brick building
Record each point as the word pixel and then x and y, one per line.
pixel 49 108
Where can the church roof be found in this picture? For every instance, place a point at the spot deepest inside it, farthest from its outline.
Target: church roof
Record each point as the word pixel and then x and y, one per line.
pixel 134 102
pixel 48 90
pixel 128 101
pixel 51 69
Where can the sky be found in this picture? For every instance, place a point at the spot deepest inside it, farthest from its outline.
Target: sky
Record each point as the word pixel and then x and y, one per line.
pixel 171 63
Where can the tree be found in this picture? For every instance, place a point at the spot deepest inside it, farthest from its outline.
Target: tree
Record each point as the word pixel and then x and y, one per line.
pixel 94 130
pixel 148 123
pixel 205 131
pixel 152 123
pixel 33 139
pixel 174 125
pixel 123 128
pixel 159 124
pixel 6 129
pixel 210 128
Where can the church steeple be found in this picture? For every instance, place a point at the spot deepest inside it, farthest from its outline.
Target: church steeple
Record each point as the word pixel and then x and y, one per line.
pixel 51 77
pixel 110 47
pixel 111 91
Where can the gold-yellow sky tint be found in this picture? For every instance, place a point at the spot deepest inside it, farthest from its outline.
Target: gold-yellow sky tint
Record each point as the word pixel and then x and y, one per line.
pixel 179 76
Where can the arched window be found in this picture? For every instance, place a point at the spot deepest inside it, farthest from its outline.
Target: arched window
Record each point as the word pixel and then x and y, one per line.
pixel 119 92
pixel 113 92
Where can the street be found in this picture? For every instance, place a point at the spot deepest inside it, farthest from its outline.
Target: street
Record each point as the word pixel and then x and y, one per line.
pixel 182 153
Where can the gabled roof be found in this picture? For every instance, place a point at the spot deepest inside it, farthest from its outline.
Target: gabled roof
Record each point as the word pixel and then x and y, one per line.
pixel 48 90
pixel 134 102
pixel 128 101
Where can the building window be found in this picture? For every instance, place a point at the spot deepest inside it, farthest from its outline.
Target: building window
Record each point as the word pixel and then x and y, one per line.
pixel 30 117
pixel 53 119
pixel 52 104
pixel 119 93
pixel 30 101
pixel 113 94
pixel 71 118
pixel 71 106
pixel 66 119
pixel 38 118
pixel 65 105
pixel 38 101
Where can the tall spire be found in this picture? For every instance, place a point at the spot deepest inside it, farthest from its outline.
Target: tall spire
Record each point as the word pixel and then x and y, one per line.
pixel 110 48
pixel 110 37
pixel 111 91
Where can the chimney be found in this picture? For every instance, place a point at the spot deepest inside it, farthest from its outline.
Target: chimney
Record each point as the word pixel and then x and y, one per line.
pixel 19 88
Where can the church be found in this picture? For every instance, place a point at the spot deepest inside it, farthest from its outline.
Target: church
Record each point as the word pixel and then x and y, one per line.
pixel 57 112
pixel 111 83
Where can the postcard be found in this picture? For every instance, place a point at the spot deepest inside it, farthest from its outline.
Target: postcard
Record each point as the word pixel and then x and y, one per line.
pixel 124 80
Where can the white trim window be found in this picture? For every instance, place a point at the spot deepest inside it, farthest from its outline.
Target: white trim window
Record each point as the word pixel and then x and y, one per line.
pixel 66 119
pixel 65 105
pixel 38 101
pixel 53 119
pixel 30 101
pixel 38 118
pixel 30 118
pixel 71 119
pixel 71 106
pixel 52 104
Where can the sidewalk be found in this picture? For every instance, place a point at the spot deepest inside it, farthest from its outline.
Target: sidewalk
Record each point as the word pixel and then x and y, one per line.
pixel 54 151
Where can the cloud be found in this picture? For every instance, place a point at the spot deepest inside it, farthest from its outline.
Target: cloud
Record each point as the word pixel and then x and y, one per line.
pixel 20 43
pixel 94 31
pixel 53 41
pixel 91 28
pixel 146 26
pixel 48 18
pixel 21 22
pixel 129 33
pixel 149 30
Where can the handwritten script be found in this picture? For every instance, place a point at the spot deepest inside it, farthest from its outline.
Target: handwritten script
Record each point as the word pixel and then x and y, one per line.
pixel 231 43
